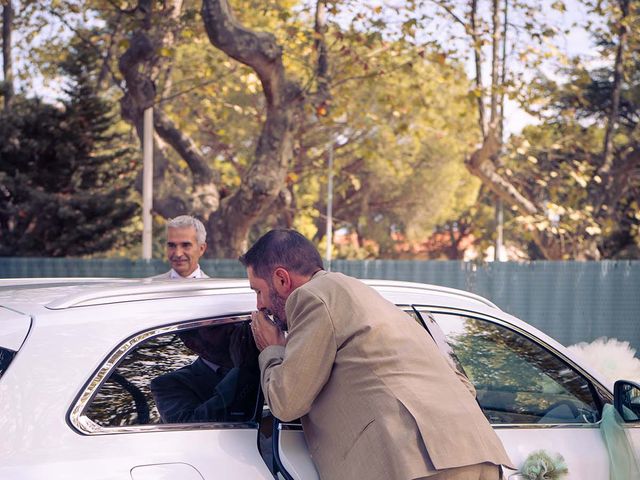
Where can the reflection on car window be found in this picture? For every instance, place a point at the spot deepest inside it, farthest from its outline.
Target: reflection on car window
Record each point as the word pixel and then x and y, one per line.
pixel 517 381
pixel 205 374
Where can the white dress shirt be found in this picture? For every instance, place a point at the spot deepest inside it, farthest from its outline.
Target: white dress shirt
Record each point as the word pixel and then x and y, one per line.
pixel 197 273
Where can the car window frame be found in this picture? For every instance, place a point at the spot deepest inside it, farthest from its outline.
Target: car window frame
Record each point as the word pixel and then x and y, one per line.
pixel 600 393
pixel 76 415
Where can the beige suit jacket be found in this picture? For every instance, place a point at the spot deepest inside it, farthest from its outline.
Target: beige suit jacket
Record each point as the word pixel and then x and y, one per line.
pixel 377 398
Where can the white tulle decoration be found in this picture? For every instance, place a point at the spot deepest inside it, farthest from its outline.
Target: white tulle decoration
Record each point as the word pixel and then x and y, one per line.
pixel 612 358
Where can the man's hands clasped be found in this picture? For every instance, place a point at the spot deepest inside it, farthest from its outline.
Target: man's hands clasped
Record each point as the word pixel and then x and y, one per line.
pixel 265 332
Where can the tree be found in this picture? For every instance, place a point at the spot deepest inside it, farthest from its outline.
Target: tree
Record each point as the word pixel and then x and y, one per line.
pixel 258 177
pixel 399 149
pixel 581 163
pixel 561 159
pixel 66 177
pixel 244 118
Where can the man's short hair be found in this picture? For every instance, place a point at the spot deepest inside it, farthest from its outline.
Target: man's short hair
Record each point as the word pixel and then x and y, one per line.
pixel 186 221
pixel 282 248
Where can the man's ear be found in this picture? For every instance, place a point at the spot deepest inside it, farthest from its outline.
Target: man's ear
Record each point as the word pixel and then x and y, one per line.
pixel 203 248
pixel 282 281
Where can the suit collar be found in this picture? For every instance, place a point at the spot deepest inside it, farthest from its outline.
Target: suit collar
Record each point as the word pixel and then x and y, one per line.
pixel 319 273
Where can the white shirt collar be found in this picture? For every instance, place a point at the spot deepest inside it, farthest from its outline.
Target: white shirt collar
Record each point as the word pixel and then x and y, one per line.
pixel 213 366
pixel 197 273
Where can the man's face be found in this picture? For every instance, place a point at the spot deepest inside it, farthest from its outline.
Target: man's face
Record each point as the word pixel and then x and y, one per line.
pixel 267 298
pixel 183 251
pixel 211 343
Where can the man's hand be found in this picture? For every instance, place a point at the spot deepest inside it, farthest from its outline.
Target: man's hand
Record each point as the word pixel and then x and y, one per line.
pixel 265 333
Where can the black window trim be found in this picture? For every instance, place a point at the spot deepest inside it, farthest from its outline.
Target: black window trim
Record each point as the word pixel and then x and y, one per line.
pixel 6 357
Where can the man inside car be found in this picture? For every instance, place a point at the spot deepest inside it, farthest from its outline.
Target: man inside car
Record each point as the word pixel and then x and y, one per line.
pixel 221 385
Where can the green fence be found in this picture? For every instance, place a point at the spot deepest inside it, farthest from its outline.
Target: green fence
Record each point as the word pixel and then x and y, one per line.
pixel 571 301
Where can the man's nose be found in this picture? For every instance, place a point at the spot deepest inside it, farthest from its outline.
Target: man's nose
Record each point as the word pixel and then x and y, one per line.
pixel 259 304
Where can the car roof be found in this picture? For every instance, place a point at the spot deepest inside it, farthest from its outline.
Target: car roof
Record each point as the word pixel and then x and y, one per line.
pixel 30 295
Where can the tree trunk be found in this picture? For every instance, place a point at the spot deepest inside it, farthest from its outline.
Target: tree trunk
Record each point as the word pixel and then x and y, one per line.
pixel 483 163
pixel 477 57
pixel 142 68
pixel 263 180
pixel 206 198
pixel 605 170
pixel 7 65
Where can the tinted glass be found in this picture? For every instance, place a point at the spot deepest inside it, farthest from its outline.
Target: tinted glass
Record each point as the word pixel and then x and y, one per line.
pixel 516 379
pixel 6 356
pixel 206 374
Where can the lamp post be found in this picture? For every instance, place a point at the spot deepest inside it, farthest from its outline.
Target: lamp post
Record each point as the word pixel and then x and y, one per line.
pixel 329 233
pixel 147 182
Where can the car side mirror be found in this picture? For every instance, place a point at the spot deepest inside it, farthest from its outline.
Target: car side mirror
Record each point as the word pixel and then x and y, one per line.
pixel 626 400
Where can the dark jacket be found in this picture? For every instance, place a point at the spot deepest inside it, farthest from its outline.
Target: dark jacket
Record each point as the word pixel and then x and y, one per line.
pixel 195 393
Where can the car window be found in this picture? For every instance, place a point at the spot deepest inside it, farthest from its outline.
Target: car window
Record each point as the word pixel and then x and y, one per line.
pixel 6 356
pixel 516 379
pixel 205 374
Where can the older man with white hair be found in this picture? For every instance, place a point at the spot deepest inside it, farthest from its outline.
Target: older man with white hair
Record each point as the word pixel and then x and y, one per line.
pixel 186 243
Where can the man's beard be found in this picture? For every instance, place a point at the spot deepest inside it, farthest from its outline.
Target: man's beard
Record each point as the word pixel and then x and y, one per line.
pixel 277 309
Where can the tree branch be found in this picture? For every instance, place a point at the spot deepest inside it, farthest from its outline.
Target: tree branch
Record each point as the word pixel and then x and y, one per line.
pixel 257 50
pixel 264 179
pixel 605 170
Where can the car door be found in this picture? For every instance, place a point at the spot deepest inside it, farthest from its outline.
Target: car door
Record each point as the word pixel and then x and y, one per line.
pixel 180 401
pixel 534 398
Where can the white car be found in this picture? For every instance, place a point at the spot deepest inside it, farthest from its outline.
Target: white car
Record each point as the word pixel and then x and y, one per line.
pixel 86 363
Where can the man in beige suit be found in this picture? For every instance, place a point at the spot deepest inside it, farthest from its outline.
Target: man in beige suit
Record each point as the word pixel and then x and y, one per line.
pixel 376 398
pixel 186 243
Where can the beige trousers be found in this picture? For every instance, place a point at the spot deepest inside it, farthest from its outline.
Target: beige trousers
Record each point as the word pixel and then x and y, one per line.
pixel 482 471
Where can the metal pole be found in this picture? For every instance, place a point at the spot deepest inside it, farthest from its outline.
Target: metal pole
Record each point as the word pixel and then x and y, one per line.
pixel 147 182
pixel 329 234
pixel 499 256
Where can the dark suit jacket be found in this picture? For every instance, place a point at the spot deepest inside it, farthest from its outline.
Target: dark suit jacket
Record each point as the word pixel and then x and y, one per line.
pixel 195 393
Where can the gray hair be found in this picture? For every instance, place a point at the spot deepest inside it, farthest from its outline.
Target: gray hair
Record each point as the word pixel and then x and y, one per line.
pixel 186 221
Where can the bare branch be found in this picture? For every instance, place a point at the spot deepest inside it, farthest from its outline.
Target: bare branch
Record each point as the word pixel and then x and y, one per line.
pixel 453 15
pixel 482 165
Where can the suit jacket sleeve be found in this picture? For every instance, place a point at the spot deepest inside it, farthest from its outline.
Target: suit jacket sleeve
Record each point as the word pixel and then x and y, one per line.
pixel 292 377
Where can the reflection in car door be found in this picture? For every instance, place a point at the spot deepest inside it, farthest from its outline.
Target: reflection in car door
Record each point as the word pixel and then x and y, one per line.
pixel 535 399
